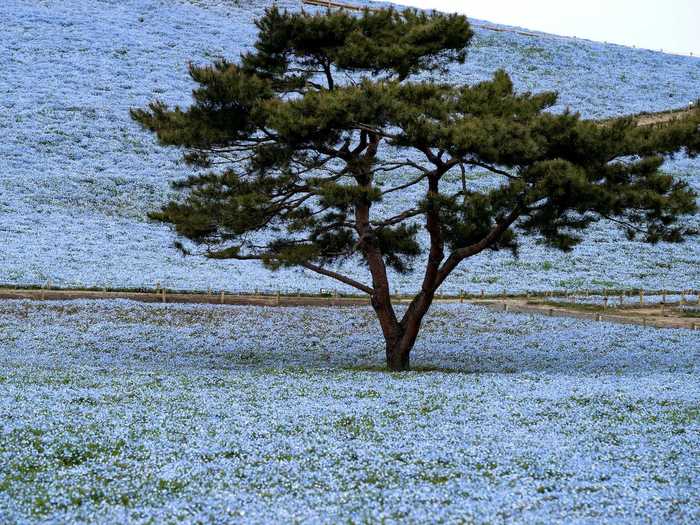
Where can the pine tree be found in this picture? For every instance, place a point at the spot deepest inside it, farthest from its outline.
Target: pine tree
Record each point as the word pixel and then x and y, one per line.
pixel 332 115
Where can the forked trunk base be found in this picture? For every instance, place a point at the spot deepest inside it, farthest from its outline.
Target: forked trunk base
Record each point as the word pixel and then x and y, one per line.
pixel 398 358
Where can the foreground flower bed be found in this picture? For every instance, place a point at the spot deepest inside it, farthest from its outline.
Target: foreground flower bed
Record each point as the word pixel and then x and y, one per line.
pixel 123 412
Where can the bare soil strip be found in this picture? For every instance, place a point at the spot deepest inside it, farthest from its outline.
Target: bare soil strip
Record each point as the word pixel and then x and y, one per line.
pixel 653 316
pixel 194 298
pixel 653 119
pixel 659 118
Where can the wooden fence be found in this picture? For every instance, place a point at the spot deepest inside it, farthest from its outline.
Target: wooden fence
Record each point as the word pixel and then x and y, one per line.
pixel 529 303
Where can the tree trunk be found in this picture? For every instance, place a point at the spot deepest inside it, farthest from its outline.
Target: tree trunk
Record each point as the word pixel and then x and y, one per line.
pixel 398 356
pixel 400 342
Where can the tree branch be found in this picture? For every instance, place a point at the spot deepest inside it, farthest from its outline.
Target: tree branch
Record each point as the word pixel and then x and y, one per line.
pixel 392 166
pixel 223 254
pixel 329 75
pixel 468 251
pixel 624 223
pixel 492 169
pixel 338 277
pixel 375 131
pixel 404 186
pixel 398 218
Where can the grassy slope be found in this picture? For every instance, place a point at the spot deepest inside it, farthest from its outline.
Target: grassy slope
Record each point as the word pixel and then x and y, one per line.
pixel 77 177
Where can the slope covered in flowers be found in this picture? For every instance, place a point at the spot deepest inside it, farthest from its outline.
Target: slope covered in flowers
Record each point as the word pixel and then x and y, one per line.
pixel 116 412
pixel 77 177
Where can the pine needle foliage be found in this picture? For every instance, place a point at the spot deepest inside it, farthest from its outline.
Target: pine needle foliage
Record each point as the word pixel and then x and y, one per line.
pixel 306 137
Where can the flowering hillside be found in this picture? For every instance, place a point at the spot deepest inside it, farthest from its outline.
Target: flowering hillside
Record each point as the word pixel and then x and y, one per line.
pixel 77 177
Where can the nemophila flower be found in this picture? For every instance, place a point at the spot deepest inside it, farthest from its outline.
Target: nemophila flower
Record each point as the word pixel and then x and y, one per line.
pixel 117 412
pixel 79 178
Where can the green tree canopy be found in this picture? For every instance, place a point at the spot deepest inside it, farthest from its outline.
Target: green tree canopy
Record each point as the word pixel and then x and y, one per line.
pixel 333 114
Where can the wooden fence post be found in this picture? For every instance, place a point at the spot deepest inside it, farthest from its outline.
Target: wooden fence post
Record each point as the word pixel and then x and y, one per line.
pixel 222 297
pixel 641 297
pixel 164 294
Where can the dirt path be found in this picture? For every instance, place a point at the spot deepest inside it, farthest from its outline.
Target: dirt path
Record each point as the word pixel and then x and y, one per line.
pixel 659 118
pixel 649 316
pixel 651 119
pixel 653 316
pixel 193 298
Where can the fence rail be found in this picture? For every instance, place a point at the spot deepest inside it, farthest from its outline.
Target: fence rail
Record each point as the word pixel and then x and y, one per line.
pixel 524 303
pixel 642 296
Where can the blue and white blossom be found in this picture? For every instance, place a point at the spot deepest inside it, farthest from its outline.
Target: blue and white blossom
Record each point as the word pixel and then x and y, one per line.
pixel 119 412
pixel 77 176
